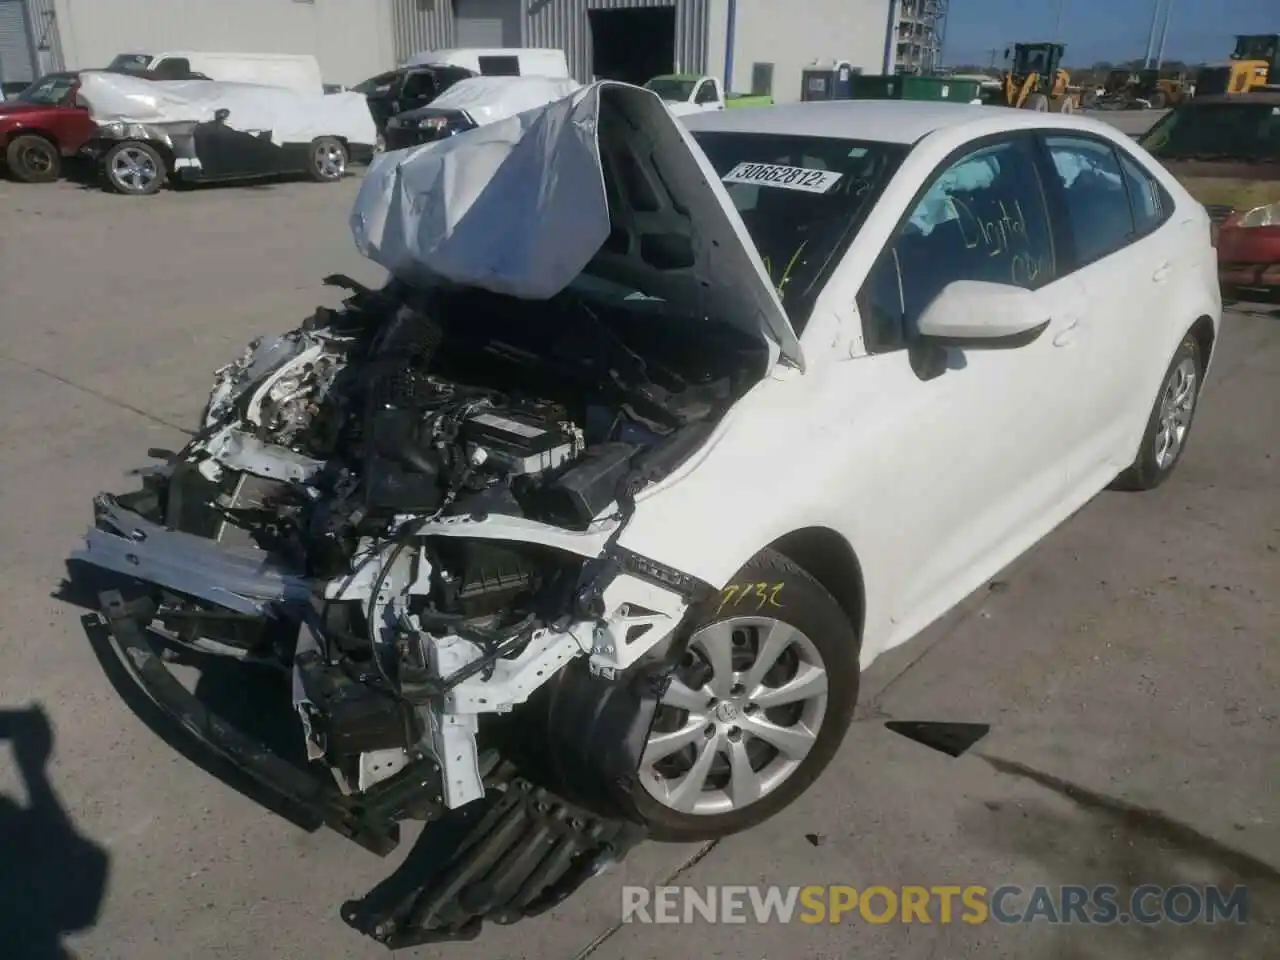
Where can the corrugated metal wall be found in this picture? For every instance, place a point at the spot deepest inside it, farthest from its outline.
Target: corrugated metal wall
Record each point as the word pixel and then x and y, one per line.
pixel 420 25
pixel 44 27
pixel 429 24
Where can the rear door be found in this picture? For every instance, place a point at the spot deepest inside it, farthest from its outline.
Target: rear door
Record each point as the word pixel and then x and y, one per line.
pixel 1124 253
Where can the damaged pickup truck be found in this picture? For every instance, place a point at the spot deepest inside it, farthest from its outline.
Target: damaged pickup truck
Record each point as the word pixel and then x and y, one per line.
pixel 554 532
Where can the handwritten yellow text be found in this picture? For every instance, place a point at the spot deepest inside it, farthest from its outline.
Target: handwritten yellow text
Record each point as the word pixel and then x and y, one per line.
pixel 752 597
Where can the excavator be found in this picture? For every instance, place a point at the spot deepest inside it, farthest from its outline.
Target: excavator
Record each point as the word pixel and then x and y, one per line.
pixel 1035 80
pixel 1254 65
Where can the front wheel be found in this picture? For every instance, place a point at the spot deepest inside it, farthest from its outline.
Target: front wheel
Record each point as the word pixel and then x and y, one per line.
pixel 1037 102
pixel 756 709
pixel 1169 425
pixel 328 160
pixel 134 168
pixel 33 159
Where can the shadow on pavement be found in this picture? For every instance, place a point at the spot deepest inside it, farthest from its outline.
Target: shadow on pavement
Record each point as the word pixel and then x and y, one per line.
pixel 1083 838
pixel 251 697
pixel 53 879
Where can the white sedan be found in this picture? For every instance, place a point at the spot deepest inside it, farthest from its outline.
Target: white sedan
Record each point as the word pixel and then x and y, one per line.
pixel 663 432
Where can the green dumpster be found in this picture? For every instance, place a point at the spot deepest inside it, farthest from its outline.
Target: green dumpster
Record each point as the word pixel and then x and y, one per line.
pixel 909 87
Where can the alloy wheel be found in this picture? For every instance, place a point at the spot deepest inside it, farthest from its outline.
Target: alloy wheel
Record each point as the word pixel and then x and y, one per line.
pixel 330 161
pixel 742 712
pixel 133 170
pixel 1177 404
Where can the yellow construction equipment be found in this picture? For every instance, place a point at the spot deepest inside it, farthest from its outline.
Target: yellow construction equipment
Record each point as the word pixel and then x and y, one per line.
pixel 1255 64
pixel 1035 79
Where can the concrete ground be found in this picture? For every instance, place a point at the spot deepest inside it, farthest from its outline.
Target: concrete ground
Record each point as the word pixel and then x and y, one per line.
pixel 1127 666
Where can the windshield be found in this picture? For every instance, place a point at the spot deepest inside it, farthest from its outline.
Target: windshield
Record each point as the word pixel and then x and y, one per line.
pixel 1245 131
pixel 802 199
pixel 671 88
pixel 48 91
pixel 130 63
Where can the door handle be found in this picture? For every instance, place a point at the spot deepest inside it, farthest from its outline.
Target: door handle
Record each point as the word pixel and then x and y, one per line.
pixel 1161 274
pixel 1067 335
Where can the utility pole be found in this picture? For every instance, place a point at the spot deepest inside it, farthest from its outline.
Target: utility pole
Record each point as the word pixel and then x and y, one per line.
pixel 1164 32
pixel 1057 20
pixel 1151 34
pixel 995 52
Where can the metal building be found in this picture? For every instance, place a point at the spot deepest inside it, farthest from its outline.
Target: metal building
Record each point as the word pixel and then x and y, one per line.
pixel 755 46
pixel 350 38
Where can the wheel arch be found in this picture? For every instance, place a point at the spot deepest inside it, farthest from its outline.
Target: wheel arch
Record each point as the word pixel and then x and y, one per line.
pixel 830 559
pixel 32 132
pixel 1205 335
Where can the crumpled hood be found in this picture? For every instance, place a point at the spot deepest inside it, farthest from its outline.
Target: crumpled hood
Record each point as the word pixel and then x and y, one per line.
pixel 605 180
pixel 489 99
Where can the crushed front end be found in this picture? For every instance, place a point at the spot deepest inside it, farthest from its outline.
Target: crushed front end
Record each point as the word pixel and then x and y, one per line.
pixel 412 505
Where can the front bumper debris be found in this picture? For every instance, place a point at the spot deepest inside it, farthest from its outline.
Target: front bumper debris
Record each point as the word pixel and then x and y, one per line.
pixel 519 852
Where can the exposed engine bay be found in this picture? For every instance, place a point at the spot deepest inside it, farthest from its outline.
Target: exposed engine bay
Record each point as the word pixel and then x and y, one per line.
pixel 412 505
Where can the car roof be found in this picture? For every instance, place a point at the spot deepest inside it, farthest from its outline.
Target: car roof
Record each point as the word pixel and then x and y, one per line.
pixel 888 121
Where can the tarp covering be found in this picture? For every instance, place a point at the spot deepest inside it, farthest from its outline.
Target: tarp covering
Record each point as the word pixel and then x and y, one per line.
pixel 489 99
pixel 520 207
pixel 290 116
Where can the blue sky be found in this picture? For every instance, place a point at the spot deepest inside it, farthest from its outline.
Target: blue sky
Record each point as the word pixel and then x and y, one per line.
pixel 1105 29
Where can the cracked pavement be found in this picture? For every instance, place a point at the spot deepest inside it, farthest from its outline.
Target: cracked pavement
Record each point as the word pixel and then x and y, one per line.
pixel 1127 665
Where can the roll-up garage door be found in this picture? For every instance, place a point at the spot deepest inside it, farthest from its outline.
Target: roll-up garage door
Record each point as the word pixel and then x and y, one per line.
pixel 15 43
pixel 487 23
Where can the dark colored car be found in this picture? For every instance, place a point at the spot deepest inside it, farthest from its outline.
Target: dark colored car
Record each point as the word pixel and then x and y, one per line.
pixel 414 127
pixel 407 89
pixel 138 158
pixel 1226 151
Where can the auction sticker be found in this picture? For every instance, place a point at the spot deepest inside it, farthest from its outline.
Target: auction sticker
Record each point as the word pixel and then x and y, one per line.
pixel 788 178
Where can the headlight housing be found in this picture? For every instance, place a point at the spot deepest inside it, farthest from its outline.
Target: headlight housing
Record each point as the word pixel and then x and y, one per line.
pixel 432 123
pixel 119 130
pixel 1267 215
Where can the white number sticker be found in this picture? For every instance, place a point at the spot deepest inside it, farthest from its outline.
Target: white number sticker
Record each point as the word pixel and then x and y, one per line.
pixel 788 178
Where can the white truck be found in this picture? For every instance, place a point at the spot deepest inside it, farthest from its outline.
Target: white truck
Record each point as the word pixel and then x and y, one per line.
pixel 686 93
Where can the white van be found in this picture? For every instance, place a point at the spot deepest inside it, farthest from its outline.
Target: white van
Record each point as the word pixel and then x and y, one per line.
pixel 299 72
pixel 498 61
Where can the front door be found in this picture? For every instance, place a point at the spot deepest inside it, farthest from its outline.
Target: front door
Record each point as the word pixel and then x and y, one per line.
pixel 979 450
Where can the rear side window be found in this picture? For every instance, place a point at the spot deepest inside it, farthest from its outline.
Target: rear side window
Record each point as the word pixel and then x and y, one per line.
pixel 420 84
pixel 983 217
pixel 499 66
pixel 1099 217
pixel 1148 202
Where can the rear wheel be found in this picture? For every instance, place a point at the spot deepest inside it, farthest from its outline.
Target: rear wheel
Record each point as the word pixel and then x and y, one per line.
pixel 328 160
pixel 756 710
pixel 33 159
pixel 134 168
pixel 1169 425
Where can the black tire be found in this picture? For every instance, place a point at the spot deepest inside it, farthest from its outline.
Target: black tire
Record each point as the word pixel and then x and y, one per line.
pixel 1148 471
pixel 809 608
pixel 328 160
pixel 140 153
pixel 32 158
pixel 1037 102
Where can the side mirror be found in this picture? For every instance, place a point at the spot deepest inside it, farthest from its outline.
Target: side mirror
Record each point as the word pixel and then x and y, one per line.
pixel 220 115
pixel 977 314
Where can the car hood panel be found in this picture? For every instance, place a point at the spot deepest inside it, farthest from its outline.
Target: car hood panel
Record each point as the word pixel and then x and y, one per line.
pixel 523 206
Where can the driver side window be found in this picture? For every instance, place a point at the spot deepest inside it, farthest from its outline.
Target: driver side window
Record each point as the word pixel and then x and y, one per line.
pixel 706 93
pixel 983 217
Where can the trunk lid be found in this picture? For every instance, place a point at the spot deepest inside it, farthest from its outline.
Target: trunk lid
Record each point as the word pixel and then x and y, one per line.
pixel 605 182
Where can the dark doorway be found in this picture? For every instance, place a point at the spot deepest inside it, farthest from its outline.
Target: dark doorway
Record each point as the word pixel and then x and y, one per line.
pixel 634 45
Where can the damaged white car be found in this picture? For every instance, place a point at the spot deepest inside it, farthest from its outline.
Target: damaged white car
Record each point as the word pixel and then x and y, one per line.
pixel 153 132
pixel 581 528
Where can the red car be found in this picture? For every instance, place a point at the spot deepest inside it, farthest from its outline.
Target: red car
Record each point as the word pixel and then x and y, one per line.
pixel 41 125
pixel 1225 150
